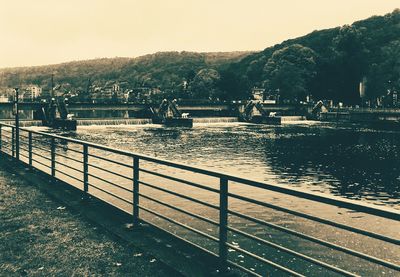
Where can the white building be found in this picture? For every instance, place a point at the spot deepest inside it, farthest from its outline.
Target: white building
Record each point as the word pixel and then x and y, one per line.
pixel 3 99
pixel 32 92
pixel 35 90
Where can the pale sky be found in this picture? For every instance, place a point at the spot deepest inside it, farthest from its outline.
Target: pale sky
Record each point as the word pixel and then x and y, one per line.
pixel 37 32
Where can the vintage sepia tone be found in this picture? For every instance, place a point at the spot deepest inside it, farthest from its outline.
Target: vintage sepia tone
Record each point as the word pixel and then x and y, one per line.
pixel 199 138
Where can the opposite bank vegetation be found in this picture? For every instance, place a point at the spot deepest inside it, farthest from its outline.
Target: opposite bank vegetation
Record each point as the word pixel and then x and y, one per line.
pixel 325 64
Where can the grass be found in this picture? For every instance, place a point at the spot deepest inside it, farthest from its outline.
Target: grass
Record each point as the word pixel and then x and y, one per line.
pixel 39 237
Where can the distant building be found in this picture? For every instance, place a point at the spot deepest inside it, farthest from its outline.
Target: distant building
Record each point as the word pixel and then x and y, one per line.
pixel 112 91
pixel 258 93
pixel 266 97
pixel 4 98
pixel 31 93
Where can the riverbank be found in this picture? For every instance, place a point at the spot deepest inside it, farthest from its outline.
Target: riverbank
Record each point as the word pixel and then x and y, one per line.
pixel 41 237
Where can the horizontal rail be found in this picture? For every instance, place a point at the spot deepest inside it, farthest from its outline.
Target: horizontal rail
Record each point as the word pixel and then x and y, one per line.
pixel 69 158
pixel 322 242
pixel 178 223
pixel 182 239
pixel 21 135
pixel 5 136
pixel 68 175
pixel 112 194
pixel 111 172
pixel 179 209
pixel 317 219
pixel 8 142
pixel 268 262
pixel 24 149
pixel 109 160
pixel 41 140
pixel 292 252
pixel 7 131
pixel 109 182
pixel 68 166
pixel 245 270
pixel 39 155
pixel 62 147
pixel 22 155
pixel 23 142
pixel 180 195
pixel 40 148
pixel 45 165
pixel 179 180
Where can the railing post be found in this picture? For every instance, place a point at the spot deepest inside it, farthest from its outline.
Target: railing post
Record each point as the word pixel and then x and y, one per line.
pixel 223 224
pixel 17 123
pixel 1 138
pixel 17 143
pixel 135 191
pixel 85 169
pixel 12 141
pixel 30 148
pixel 53 157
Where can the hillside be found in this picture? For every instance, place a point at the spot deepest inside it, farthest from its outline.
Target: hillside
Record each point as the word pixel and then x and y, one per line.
pixel 163 69
pixel 368 49
pixel 325 64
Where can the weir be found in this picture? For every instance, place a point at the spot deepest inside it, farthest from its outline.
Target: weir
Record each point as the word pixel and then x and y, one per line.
pixel 114 121
pixel 123 121
pixel 215 119
pixel 137 184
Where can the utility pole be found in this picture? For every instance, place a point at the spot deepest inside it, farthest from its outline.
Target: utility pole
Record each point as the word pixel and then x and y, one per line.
pixel 16 123
pixel 52 86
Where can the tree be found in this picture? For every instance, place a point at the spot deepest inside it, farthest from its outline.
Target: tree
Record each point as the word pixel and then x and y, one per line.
pixel 232 87
pixel 204 84
pixel 290 70
pixel 384 75
pixel 255 69
pixel 351 62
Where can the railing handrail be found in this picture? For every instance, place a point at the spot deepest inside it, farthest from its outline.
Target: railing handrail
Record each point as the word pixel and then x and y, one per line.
pixel 386 212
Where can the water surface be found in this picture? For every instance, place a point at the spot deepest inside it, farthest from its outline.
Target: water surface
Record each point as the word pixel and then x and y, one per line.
pixel 353 161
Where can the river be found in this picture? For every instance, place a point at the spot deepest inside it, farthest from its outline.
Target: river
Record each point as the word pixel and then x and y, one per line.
pixel 353 161
pixel 348 160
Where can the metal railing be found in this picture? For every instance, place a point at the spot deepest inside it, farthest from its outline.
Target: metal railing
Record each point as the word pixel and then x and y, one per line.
pixel 155 191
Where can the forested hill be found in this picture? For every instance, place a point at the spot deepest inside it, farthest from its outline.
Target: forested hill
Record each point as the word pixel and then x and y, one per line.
pixel 329 64
pixel 162 69
pixel 325 64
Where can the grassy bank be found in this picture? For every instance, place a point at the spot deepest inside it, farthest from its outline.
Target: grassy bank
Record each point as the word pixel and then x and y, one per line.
pixel 39 237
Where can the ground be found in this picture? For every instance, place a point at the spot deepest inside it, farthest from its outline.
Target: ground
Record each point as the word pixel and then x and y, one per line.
pixel 40 237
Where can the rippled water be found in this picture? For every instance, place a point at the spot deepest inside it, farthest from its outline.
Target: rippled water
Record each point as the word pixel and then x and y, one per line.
pixel 353 161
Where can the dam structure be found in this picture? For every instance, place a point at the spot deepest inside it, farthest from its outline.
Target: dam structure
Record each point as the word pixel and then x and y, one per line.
pixel 133 113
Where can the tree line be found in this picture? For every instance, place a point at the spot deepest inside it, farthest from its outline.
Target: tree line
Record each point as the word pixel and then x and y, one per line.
pixel 325 64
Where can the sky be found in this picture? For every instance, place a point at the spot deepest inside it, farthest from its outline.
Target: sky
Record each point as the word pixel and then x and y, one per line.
pixel 39 32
